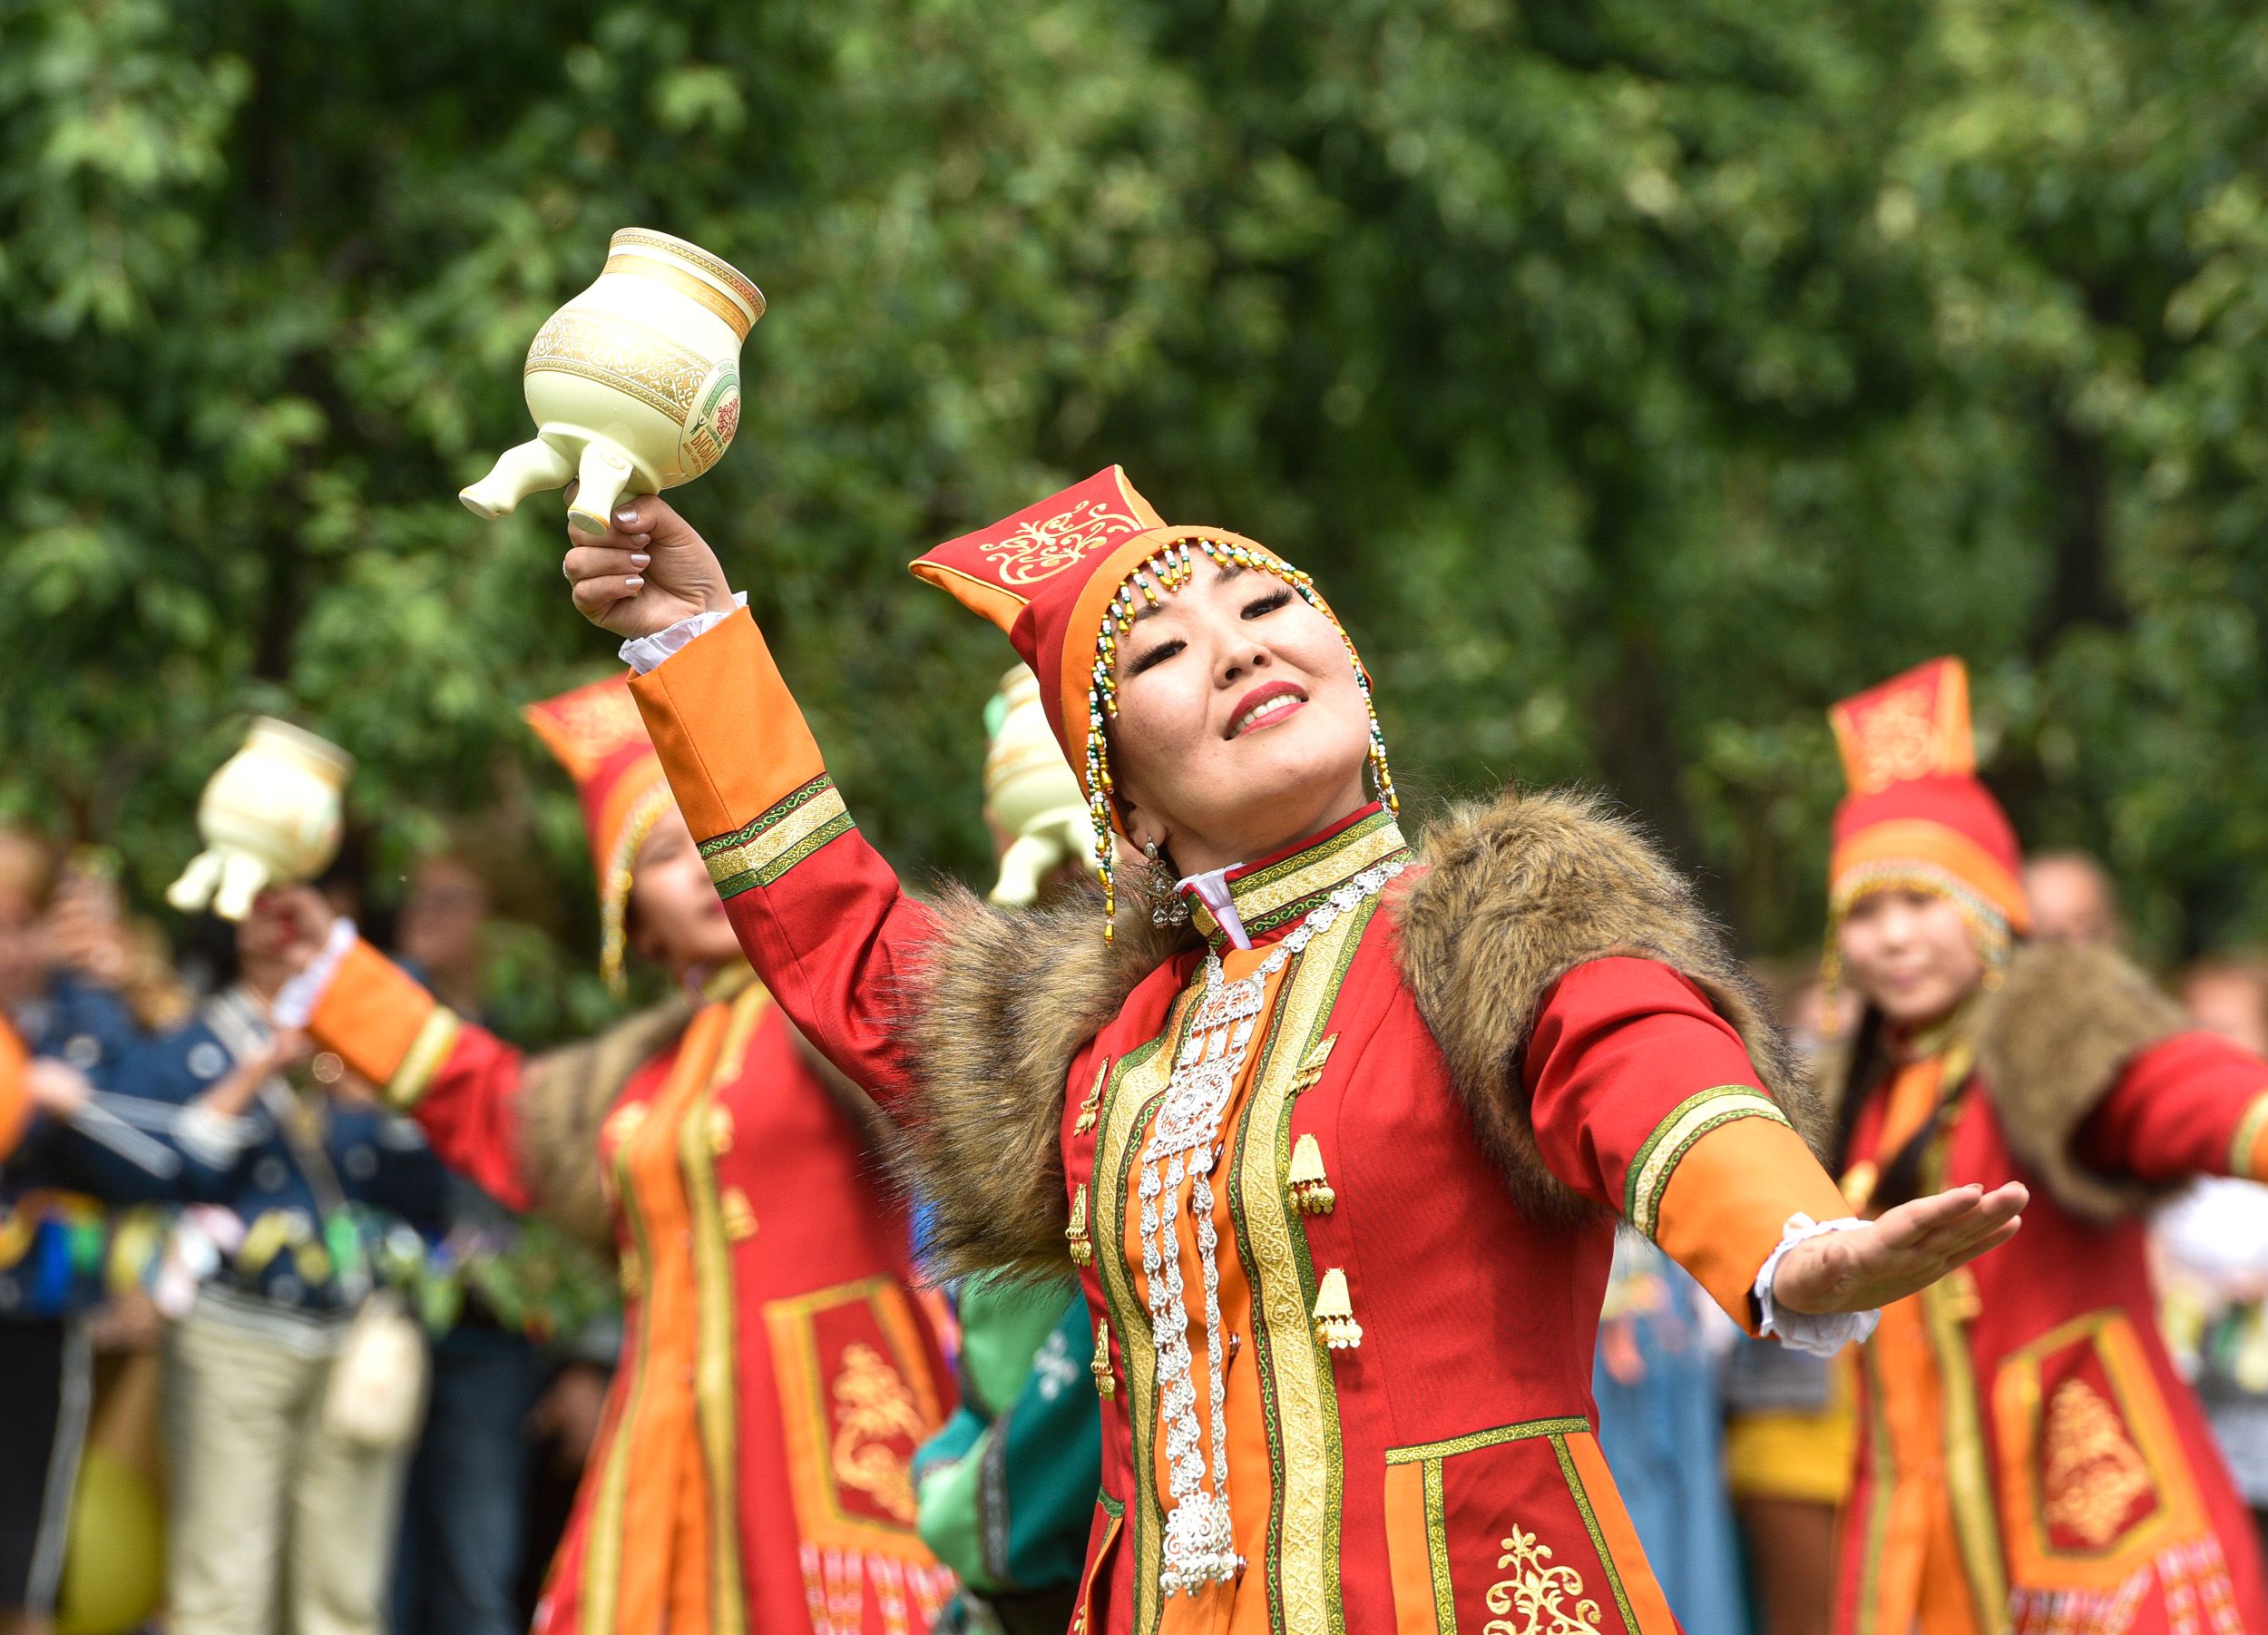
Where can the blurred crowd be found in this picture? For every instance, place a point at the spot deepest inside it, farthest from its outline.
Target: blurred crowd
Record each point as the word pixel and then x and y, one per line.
pixel 195 1226
pixel 190 1234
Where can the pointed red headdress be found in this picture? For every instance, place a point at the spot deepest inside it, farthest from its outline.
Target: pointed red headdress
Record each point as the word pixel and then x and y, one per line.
pixel 596 733
pixel 1916 816
pixel 1063 577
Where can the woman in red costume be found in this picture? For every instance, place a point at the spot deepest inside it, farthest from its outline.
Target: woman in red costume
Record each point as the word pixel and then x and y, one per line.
pixel 1336 1153
pixel 2030 1461
pixel 752 1472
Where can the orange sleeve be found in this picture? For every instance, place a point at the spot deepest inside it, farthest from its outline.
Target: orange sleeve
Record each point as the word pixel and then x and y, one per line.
pixel 819 912
pixel 1644 1099
pixel 385 1026
pixel 1727 1202
pixel 726 679
pixel 15 1096
pixel 459 1081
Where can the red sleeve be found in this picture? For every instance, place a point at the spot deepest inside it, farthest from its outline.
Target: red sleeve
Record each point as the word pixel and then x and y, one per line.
pixel 2193 1104
pixel 15 1096
pixel 1644 1099
pixel 819 911
pixel 458 1080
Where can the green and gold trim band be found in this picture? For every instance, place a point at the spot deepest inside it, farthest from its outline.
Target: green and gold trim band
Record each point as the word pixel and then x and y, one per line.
pixel 2247 1137
pixel 1437 1549
pixel 1285 892
pixel 1564 1426
pixel 1658 1160
pixel 787 833
pixel 437 1035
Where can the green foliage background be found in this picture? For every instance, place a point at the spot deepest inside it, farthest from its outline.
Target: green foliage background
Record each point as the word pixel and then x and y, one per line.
pixel 1637 377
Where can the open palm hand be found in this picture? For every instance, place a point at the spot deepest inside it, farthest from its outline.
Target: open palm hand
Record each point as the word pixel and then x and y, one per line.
pixel 1899 1253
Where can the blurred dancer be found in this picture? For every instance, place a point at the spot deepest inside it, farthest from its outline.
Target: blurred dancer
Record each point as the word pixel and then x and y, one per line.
pixel 1008 1485
pixel 754 1472
pixel 2212 1246
pixel 2030 1460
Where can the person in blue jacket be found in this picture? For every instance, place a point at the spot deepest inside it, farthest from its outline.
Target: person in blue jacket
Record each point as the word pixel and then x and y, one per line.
pixel 277 1521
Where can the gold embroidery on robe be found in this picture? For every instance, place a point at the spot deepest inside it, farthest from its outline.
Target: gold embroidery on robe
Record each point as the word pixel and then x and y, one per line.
pixel 871 1405
pixel 2095 1474
pixel 1535 1597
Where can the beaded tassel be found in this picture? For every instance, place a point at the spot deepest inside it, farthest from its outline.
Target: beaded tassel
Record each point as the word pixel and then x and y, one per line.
pixel 1171 568
pixel 1075 1234
pixel 1310 1188
pixel 1335 1314
pixel 1106 1382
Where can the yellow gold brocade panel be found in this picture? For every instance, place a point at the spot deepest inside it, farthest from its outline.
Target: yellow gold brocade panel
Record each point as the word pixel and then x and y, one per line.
pixel 1294 1369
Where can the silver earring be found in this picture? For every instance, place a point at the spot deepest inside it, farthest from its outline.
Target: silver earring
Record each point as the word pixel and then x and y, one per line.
pixel 1166 906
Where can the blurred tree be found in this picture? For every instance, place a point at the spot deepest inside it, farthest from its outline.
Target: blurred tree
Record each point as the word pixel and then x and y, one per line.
pixel 1638 379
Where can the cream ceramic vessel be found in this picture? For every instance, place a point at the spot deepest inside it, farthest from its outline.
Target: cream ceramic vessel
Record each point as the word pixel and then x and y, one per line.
pixel 272 813
pixel 634 384
pixel 1031 794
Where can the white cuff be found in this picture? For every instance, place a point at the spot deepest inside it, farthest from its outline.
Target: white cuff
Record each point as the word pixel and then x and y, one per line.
pixel 644 653
pixel 296 1001
pixel 1816 1334
pixel 214 1140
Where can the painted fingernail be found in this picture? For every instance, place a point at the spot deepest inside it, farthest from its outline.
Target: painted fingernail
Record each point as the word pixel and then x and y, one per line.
pixel 633 582
pixel 641 538
pixel 639 559
pixel 627 516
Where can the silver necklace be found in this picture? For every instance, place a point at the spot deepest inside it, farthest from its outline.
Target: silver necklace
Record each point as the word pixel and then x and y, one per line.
pixel 1200 1545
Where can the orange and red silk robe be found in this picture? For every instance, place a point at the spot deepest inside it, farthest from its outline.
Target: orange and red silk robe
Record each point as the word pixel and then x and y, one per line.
pixel 753 1473
pixel 2030 1463
pixel 1442 1473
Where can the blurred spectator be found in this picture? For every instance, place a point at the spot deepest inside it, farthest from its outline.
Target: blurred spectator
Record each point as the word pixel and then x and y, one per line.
pixel 1790 1419
pixel 1654 1379
pixel 53 1225
pixel 464 1505
pixel 2073 899
pixel 2213 1254
pixel 281 1520
pixel 2229 997
pixel 439 932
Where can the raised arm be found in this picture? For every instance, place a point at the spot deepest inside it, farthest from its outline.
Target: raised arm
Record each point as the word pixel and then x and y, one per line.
pixel 458 1080
pixel 819 912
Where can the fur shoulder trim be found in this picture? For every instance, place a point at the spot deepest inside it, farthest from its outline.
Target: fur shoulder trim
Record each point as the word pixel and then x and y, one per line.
pixel 564 1096
pixel 2050 1043
pixel 1007 1000
pixel 1517 893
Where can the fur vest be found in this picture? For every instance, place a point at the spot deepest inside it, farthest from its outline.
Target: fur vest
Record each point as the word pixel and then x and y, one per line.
pixel 2050 1043
pixel 1511 896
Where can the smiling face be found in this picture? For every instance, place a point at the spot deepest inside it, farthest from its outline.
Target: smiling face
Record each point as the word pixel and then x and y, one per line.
pixel 677 920
pixel 1240 728
pixel 1908 954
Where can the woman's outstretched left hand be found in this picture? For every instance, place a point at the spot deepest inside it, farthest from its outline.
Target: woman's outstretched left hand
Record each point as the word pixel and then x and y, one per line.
pixel 1902 1252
